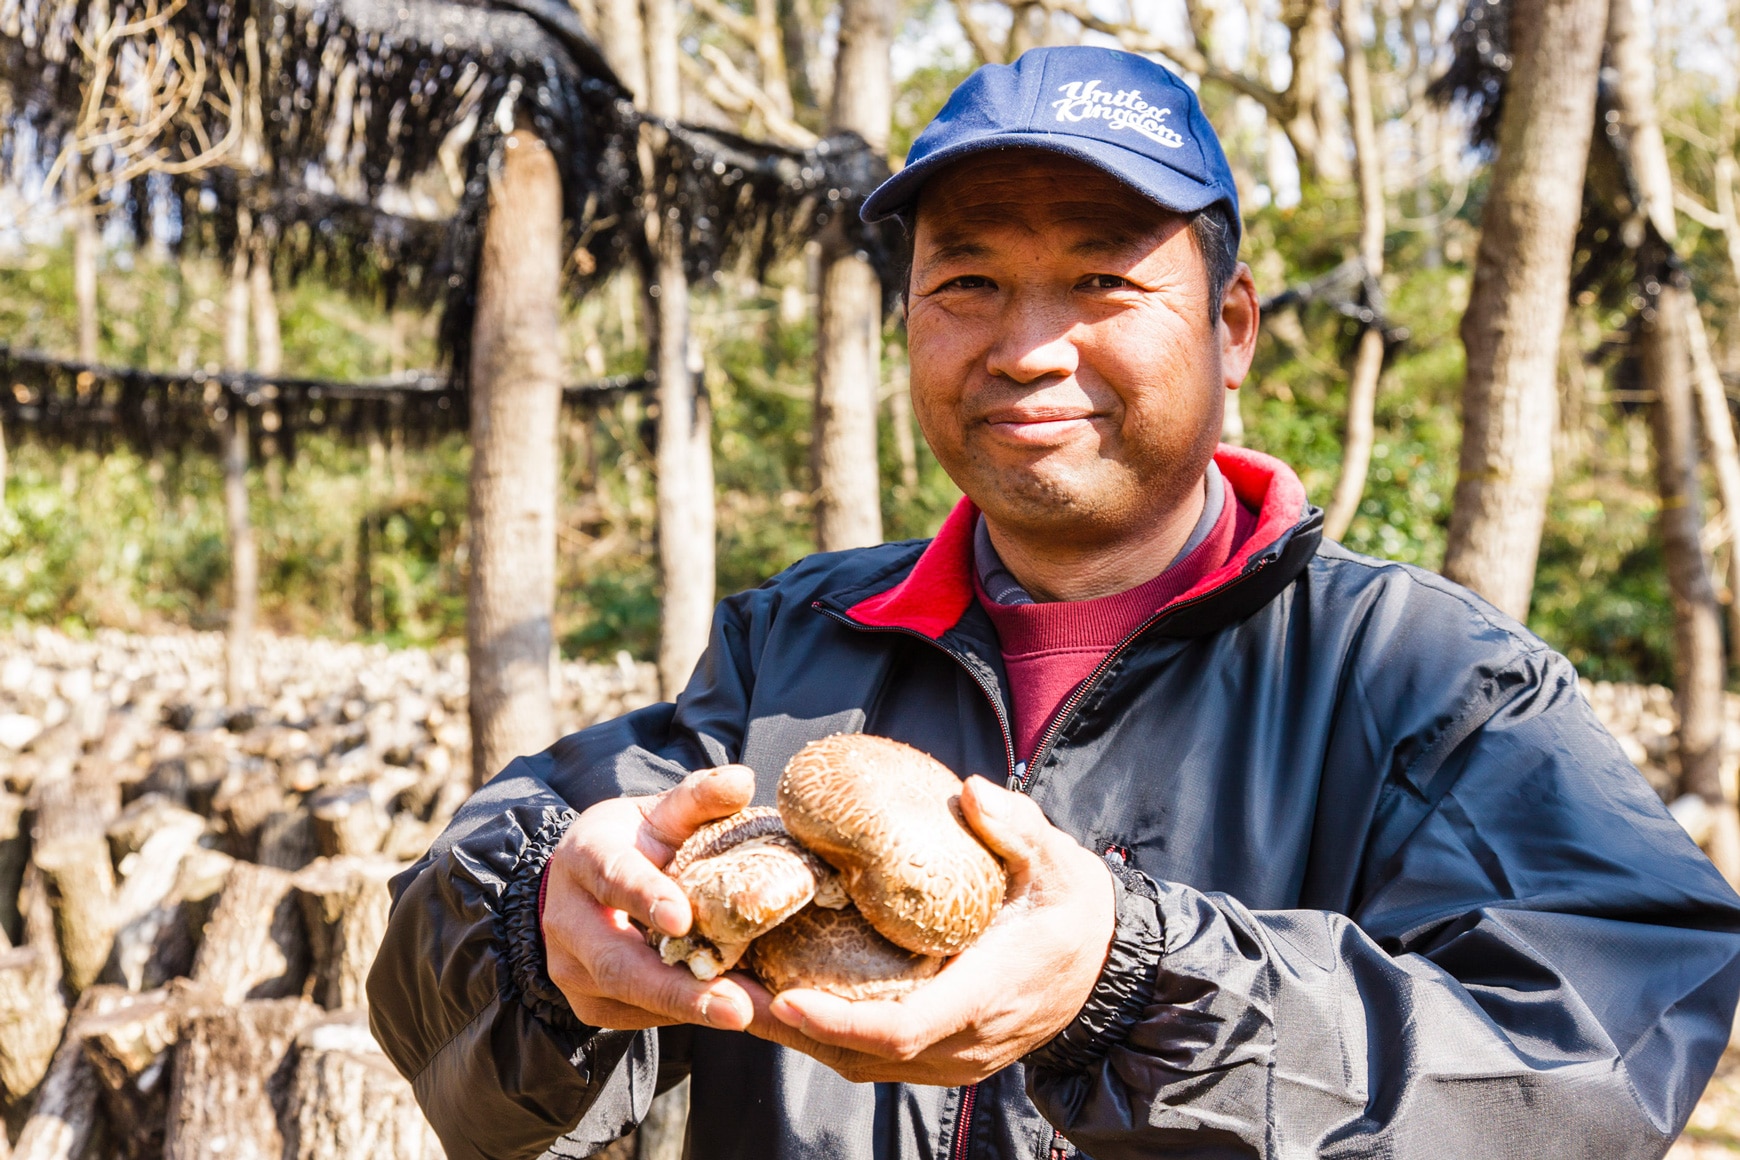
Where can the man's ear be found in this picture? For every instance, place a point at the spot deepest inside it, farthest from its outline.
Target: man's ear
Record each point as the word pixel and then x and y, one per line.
pixel 1240 316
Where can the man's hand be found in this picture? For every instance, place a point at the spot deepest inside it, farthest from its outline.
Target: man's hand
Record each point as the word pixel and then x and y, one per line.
pixel 607 869
pixel 1020 984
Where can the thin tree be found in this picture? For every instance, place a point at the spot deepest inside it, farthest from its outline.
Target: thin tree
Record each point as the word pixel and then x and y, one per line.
pixel 849 334
pixel 1664 356
pixel 244 549
pixel 516 395
pixel 685 426
pixel 1516 309
pixel 1368 361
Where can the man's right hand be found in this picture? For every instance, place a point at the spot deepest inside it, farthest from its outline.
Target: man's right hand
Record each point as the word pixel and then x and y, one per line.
pixel 609 868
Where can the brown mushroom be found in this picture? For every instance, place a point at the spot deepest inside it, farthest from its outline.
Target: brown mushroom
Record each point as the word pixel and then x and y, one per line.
pixel 887 816
pixel 743 875
pixel 838 952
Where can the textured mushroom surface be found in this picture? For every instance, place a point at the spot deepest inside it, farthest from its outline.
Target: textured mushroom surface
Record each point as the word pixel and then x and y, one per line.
pixel 837 951
pixel 887 816
pixel 742 875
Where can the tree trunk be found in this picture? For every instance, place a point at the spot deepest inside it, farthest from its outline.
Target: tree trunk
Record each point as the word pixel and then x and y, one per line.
pixel 1665 359
pixel 849 332
pixel 268 332
pixel 623 45
pixel 661 1135
pixel 1368 361
pixel 72 852
pixel 347 1100
pixel 14 857
pixel 1516 309
pixel 244 552
pixel 516 397
pixel 31 1018
pixel 255 945
pixel 86 245
pixel 686 516
pixel 1697 617
pixel 1718 428
pixel 128 1050
pixel 63 1121
pixel 344 904
pixel 220 1105
pixel 905 442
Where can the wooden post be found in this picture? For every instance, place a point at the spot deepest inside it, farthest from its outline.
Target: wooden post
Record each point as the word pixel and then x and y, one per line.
pixel 516 396
pixel 220 1102
pixel 849 333
pixel 1665 357
pixel 1516 309
pixel 244 552
pixel 1368 361
pixel 685 434
pixel 346 1099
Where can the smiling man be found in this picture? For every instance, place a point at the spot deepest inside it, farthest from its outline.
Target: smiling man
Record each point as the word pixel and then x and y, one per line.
pixel 1310 854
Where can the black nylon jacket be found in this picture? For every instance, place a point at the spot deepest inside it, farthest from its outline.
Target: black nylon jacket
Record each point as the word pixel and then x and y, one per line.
pixel 1385 886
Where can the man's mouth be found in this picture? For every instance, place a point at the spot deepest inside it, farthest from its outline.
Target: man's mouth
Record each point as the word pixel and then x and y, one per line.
pixel 1038 425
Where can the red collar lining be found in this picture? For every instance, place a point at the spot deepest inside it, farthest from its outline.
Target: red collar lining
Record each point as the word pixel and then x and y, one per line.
pixel 936 593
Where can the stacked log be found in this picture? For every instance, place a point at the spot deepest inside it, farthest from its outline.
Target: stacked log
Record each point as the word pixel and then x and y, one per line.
pixel 192 892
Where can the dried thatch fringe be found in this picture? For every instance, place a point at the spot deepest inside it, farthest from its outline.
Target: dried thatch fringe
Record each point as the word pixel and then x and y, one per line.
pixel 79 404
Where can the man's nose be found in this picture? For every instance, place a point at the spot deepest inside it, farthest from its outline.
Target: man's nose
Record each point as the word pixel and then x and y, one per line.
pixel 1033 342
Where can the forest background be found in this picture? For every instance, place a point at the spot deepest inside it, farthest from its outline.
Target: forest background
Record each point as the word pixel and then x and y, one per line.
pixel 370 540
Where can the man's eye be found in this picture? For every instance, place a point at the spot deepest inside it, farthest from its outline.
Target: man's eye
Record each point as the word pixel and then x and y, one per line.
pixel 1104 282
pixel 968 282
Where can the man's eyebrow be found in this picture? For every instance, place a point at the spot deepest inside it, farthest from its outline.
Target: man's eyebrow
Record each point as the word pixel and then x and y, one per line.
pixel 953 249
pixel 1103 244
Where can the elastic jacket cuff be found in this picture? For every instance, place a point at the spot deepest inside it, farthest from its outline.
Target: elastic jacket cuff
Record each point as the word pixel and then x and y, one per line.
pixel 521 928
pixel 1126 984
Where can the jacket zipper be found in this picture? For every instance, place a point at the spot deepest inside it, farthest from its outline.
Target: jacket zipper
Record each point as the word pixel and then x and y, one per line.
pixel 984 685
pixel 969 1093
pixel 1022 783
pixel 963 1123
pixel 1074 700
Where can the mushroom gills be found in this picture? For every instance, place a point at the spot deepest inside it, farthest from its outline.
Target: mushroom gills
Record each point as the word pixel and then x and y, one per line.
pixel 743 875
pixel 837 951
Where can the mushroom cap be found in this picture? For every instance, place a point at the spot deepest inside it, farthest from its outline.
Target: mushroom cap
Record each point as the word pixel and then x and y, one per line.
pixel 742 875
pixel 837 951
pixel 887 816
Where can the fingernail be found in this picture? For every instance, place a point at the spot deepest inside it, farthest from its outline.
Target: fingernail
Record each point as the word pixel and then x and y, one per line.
pixel 990 801
pixel 667 917
pixel 718 1011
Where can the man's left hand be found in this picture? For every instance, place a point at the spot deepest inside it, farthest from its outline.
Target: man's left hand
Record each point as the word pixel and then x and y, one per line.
pixel 1021 983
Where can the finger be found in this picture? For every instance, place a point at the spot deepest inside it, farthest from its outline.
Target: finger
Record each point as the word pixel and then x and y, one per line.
pixel 698 799
pixel 627 971
pixel 884 1028
pixel 1011 824
pixel 622 878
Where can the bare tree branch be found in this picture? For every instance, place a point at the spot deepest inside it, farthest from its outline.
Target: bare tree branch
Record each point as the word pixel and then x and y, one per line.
pixel 976 33
pixel 731 78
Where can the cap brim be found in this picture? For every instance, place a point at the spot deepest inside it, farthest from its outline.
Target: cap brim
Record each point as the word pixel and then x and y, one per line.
pixel 1159 183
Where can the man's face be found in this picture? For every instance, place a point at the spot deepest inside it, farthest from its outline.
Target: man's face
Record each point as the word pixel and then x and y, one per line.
pixel 1067 368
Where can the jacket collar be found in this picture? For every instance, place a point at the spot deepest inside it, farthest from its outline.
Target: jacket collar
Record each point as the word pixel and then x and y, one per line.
pixel 939 589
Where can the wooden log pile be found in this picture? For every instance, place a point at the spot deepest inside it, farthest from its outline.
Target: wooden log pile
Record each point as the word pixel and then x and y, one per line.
pixel 191 893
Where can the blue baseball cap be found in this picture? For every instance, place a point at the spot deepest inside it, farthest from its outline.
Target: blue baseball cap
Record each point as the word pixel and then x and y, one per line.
pixel 1129 116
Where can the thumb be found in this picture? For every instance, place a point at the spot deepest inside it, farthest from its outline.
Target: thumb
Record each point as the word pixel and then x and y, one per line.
pixel 1010 823
pixel 698 799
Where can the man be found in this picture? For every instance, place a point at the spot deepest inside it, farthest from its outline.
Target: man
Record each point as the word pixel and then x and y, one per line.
pixel 1310 854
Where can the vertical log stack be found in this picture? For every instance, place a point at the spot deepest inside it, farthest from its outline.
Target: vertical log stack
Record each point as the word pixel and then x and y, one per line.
pixel 179 976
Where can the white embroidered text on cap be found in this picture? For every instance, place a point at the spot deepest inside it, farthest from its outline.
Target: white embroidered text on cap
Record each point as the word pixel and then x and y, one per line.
pixel 1125 109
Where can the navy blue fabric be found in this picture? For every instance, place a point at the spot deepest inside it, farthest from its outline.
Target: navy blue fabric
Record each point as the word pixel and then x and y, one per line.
pixel 1387 889
pixel 1121 112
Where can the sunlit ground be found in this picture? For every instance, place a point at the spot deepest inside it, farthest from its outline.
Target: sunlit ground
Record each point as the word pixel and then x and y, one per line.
pixel 1714 1130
